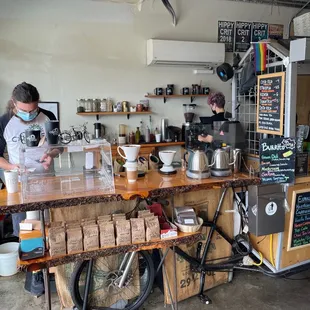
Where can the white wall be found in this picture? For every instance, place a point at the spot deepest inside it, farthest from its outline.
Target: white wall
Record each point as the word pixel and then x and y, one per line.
pixel 81 48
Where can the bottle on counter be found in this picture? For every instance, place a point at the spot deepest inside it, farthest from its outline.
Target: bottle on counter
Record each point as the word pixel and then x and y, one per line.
pixel 147 135
pixel 156 131
pixel 138 135
pixel 132 138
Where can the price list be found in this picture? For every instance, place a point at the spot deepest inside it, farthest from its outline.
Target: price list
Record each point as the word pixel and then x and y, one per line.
pixel 270 97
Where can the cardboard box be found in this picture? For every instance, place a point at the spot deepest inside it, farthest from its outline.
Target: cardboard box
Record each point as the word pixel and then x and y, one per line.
pixel 31 244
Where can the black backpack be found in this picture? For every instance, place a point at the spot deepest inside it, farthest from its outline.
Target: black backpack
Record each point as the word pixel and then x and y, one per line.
pixel 248 78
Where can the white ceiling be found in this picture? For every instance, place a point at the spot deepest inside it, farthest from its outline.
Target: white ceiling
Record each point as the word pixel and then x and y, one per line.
pixel 288 3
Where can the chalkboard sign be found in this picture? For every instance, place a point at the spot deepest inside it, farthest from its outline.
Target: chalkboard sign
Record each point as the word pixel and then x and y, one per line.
pixel 226 34
pixel 277 160
pixel 243 36
pixel 299 231
pixel 259 32
pixel 301 166
pixel 270 103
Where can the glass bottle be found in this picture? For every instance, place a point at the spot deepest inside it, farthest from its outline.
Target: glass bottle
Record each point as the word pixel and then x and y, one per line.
pixel 80 105
pixel 96 105
pixel 109 105
pixel 132 138
pixel 137 136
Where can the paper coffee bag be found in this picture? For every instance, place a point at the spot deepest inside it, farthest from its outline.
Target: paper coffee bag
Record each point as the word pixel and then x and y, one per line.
pixel 107 234
pixel 152 228
pixel 74 240
pixel 137 230
pixel 91 237
pixel 57 241
pixel 123 233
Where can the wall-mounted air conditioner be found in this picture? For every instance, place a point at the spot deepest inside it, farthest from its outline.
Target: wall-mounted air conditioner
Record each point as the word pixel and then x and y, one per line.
pixel 185 53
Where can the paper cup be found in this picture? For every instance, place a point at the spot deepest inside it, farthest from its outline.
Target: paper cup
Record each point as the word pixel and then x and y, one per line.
pixel 157 137
pixel 131 171
pixel 11 181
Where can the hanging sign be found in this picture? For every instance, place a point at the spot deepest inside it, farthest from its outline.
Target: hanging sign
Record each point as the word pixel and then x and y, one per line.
pixel 299 230
pixel 301 168
pixel 270 103
pixel 259 32
pixel 277 160
pixel 276 31
pixel 226 34
pixel 243 36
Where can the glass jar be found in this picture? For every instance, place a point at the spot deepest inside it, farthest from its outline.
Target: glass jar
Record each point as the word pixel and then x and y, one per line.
pixel 88 105
pixel 96 105
pixel 103 105
pixel 80 105
pixel 109 105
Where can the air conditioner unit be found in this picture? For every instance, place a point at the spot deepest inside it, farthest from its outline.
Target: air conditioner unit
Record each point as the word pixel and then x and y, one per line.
pixel 185 53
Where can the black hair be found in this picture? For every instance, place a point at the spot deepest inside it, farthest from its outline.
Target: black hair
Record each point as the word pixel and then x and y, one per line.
pixel 25 93
pixel 218 99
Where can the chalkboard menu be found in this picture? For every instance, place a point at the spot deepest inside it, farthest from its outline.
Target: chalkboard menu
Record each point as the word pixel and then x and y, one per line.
pixel 270 103
pixel 299 231
pixel 226 34
pixel 243 36
pixel 277 160
pixel 259 32
pixel 301 166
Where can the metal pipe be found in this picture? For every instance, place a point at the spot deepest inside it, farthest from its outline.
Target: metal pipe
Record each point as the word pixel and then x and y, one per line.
pixel 175 279
pixel 123 261
pixel 126 271
pixel 87 284
pixel 162 261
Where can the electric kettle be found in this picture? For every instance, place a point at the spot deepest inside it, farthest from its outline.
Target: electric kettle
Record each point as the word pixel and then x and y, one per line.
pixel 197 164
pixel 220 163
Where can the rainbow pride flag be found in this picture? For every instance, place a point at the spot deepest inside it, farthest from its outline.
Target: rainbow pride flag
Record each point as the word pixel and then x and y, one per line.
pixel 260 52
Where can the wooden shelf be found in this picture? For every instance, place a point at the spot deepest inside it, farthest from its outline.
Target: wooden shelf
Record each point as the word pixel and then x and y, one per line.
pixel 112 113
pixel 165 97
pixel 48 261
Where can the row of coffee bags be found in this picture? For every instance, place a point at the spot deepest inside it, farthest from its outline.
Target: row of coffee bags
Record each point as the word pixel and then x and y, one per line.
pixel 106 231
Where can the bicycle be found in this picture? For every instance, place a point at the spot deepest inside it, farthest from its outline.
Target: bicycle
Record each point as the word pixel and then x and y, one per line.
pixel 76 133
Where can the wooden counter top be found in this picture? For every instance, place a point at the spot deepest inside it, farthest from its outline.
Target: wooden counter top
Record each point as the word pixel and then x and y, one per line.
pixel 153 185
pixel 160 144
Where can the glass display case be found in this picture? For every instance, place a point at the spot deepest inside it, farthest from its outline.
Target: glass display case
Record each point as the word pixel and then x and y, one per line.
pixel 66 170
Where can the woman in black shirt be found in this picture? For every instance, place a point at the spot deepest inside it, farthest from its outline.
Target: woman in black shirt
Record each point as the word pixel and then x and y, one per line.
pixel 216 102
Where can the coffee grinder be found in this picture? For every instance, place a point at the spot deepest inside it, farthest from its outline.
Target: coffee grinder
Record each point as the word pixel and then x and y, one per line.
pixel 189 115
pixel 98 131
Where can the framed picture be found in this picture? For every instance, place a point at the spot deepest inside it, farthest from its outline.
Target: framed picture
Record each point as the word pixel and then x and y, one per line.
pixel 50 106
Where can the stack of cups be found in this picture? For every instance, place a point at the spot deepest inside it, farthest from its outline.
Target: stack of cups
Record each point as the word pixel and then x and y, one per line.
pixel 11 181
pixel 131 171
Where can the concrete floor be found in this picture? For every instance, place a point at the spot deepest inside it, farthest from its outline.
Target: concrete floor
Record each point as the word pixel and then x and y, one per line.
pixel 247 291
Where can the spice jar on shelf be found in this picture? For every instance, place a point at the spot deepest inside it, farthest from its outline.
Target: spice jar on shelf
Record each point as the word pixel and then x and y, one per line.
pixel 80 105
pixel 103 105
pixel 96 105
pixel 88 105
pixel 109 105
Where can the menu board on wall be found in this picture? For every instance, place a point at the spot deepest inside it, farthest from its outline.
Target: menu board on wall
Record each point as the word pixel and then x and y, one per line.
pixel 301 167
pixel 277 160
pixel 259 32
pixel 226 34
pixel 243 36
pixel 270 103
pixel 299 231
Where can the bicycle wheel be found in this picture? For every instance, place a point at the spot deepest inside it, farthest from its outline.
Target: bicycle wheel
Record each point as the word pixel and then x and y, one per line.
pixel 104 292
pixel 65 137
pixel 86 136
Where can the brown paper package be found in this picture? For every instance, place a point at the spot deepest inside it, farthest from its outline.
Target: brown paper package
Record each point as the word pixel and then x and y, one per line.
pixel 152 228
pixel 104 217
pixel 91 237
pixel 118 217
pixel 57 241
pixel 101 222
pixel 73 222
pixel 56 224
pixel 123 233
pixel 107 234
pixel 137 230
pixel 74 240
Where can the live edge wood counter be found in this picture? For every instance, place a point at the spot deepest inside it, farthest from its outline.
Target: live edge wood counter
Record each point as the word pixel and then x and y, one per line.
pixel 153 185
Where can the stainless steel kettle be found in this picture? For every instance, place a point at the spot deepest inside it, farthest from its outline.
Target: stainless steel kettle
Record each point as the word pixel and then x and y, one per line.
pixel 221 160
pixel 197 161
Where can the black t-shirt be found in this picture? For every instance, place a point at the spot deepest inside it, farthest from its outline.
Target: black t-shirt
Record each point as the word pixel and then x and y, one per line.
pixel 219 117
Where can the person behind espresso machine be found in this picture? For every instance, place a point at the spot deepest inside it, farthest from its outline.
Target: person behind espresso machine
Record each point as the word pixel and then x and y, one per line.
pixel 216 102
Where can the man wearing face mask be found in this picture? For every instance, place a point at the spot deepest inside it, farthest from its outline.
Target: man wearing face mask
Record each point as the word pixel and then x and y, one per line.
pixel 216 102
pixel 23 112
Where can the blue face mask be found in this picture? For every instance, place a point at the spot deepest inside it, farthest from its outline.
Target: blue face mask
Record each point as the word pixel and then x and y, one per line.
pixel 27 117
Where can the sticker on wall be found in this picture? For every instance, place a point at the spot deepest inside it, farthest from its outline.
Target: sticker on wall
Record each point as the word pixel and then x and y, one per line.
pixel 259 32
pixel 271 208
pixel 276 31
pixel 243 36
pixel 226 34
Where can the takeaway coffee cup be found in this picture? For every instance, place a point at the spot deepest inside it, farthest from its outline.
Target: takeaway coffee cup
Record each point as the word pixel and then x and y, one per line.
pixel 52 132
pixel 158 137
pixel 30 137
pixel 130 151
pixel 11 181
pixel 131 171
